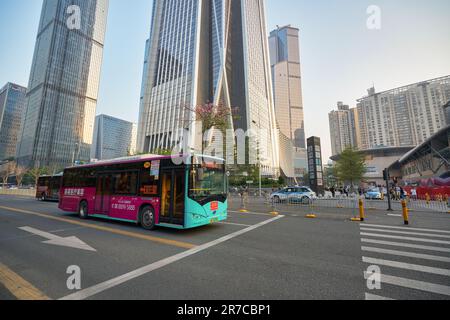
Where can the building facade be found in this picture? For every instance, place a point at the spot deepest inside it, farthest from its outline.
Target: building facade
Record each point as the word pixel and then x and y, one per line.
pixel 12 105
pixel 113 138
pixel 207 52
pixel 64 83
pixel 405 116
pixel 344 128
pixel 284 47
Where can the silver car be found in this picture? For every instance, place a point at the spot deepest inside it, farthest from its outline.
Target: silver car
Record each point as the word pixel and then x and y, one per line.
pixel 302 195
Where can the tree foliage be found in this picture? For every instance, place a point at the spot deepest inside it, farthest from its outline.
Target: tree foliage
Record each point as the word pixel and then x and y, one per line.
pixel 351 167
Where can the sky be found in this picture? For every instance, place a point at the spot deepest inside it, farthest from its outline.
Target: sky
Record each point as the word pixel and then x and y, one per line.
pixel 341 58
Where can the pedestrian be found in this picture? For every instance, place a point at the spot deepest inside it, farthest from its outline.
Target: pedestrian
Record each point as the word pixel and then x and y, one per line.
pixel 414 194
pixel 333 192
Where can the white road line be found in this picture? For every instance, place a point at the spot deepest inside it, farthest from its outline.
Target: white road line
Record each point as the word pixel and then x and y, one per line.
pixel 407 266
pixel 252 213
pixel 406 254
pixel 373 297
pixel 394 215
pixel 235 224
pixel 89 292
pixel 414 284
pixel 407 233
pixel 403 238
pixel 403 228
pixel 405 245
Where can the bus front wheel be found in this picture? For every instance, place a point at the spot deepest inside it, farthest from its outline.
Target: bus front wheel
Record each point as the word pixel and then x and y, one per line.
pixel 83 210
pixel 147 218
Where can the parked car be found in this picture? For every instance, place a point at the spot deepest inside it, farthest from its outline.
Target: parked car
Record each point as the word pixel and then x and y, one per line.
pixel 302 195
pixel 374 194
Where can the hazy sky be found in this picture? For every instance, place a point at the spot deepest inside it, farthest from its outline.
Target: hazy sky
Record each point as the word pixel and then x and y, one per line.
pixel 341 58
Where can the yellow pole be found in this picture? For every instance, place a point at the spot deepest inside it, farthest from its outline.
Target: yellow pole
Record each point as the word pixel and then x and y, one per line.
pixel 361 210
pixel 405 212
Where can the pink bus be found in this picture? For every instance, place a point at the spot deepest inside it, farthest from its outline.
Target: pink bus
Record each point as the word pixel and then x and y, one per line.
pixel 149 190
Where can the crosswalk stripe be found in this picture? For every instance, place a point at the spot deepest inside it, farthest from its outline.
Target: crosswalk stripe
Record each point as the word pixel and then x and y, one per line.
pixel 373 297
pixel 405 245
pixel 403 238
pixel 407 266
pixel 414 284
pixel 407 233
pixel 404 228
pixel 406 254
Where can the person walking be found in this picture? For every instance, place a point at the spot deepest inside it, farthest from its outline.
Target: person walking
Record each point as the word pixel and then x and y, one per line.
pixel 414 194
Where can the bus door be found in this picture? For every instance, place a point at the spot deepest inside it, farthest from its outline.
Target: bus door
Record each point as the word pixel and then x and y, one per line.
pixel 103 194
pixel 172 196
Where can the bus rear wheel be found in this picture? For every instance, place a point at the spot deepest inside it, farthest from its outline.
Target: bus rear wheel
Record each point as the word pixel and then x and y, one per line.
pixel 147 218
pixel 83 210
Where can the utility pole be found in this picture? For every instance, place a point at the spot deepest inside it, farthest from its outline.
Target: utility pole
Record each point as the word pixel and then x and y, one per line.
pixel 387 177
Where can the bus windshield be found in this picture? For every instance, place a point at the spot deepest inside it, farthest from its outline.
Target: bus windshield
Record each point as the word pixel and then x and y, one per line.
pixel 207 182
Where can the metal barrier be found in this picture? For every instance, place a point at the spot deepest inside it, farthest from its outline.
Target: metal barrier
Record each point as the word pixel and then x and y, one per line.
pixel 310 206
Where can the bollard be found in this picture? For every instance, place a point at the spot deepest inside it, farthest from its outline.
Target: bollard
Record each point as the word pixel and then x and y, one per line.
pixel 311 215
pixel 243 205
pixel 405 212
pixel 274 211
pixel 361 210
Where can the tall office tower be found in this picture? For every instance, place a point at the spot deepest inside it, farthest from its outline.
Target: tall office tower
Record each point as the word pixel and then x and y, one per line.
pixel 344 128
pixel 287 88
pixel 64 83
pixel 12 104
pixel 113 138
pixel 405 116
pixel 207 51
pixel 447 113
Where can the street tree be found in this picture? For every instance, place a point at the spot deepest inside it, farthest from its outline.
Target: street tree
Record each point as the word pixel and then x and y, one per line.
pixel 37 172
pixel 20 172
pixel 6 170
pixel 351 167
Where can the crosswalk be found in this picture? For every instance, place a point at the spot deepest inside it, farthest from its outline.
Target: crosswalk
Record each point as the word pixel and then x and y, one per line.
pixel 414 262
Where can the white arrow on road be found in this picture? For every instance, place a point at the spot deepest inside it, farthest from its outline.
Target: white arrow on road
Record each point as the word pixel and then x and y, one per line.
pixel 71 242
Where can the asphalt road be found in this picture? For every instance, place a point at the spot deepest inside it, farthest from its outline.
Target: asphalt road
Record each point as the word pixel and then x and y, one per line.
pixel 253 256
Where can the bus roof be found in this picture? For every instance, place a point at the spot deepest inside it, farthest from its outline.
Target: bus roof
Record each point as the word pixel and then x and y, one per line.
pixel 139 158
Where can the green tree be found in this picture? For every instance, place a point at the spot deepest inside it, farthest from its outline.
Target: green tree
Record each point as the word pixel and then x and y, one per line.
pixel 351 167
pixel 36 172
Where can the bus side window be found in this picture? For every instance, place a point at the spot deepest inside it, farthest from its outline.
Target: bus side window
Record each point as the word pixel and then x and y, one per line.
pixel 125 183
pixel 149 185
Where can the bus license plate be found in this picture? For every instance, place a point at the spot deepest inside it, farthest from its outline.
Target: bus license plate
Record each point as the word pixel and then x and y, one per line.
pixel 214 206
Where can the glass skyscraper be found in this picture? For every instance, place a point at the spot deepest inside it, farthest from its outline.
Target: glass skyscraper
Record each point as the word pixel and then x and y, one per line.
pixel 64 83
pixel 113 138
pixel 12 105
pixel 212 51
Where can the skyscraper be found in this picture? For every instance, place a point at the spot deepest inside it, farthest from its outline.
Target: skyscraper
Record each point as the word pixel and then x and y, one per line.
pixel 12 104
pixel 64 83
pixel 207 51
pixel 343 128
pixel 287 83
pixel 113 138
pixel 405 116
pixel 284 47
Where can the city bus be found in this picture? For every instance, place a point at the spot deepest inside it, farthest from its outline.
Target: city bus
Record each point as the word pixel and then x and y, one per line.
pixel 152 191
pixel 48 187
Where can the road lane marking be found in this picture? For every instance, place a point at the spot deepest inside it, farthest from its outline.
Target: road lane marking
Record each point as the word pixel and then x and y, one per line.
pixel 174 243
pixel 69 242
pixel 414 284
pixel 403 238
pixel 394 215
pixel 407 266
pixel 89 292
pixel 406 245
pixel 403 228
pixel 234 224
pixel 18 286
pixel 373 297
pixel 252 213
pixel 407 233
pixel 406 254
